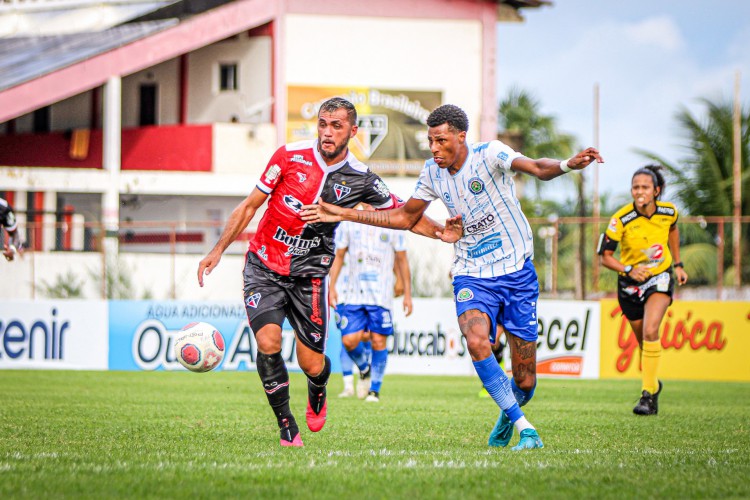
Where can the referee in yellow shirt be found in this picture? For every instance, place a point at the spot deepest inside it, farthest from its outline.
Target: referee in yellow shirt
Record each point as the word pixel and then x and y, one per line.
pixel 649 240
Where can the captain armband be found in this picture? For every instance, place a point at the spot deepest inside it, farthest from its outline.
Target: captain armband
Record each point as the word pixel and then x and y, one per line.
pixel 605 243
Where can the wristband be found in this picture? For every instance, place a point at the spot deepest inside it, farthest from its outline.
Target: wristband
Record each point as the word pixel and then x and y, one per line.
pixel 564 166
pixel 678 264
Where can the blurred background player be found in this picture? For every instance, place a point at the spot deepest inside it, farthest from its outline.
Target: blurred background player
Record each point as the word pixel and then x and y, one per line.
pixel 8 223
pixel 372 254
pixel 646 230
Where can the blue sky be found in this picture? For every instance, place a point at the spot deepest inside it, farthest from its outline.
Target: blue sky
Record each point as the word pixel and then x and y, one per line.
pixel 649 57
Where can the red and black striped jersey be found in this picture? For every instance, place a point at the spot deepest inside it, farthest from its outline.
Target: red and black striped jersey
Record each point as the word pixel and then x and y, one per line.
pixel 295 176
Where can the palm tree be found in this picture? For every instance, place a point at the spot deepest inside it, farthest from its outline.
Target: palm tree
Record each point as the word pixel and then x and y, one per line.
pixel 703 180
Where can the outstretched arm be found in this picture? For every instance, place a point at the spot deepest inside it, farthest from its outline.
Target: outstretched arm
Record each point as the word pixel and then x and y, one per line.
pixel 238 221
pixel 547 169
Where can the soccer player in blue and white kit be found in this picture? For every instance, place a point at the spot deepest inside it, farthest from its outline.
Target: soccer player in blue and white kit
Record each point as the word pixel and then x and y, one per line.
pixel 493 276
pixel 369 296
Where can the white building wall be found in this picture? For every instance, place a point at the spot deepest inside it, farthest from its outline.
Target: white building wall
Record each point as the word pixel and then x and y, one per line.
pixel 167 78
pixel 71 113
pixel 206 104
pixel 392 53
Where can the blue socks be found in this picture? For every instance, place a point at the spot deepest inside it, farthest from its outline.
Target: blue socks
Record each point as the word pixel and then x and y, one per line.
pixel 522 397
pixel 360 357
pixel 379 360
pixel 498 386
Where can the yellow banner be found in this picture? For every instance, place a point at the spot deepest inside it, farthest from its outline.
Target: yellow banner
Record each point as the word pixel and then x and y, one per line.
pixel 392 131
pixel 700 341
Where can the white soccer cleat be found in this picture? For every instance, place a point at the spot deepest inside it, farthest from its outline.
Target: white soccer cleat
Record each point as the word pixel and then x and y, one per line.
pixel 348 392
pixel 373 397
pixel 363 385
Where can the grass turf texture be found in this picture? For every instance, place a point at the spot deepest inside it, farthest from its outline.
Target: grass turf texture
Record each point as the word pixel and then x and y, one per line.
pixel 159 434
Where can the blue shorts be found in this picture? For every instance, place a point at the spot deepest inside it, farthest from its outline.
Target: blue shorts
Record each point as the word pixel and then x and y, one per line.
pixel 510 299
pixel 355 318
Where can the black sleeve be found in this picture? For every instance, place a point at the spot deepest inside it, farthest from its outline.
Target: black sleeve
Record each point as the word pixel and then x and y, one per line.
pixel 606 243
pixel 376 192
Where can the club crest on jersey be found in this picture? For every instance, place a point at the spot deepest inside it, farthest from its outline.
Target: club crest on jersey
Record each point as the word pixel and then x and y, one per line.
pixel 301 176
pixel 464 294
pixel 371 131
pixel 476 185
pixel 325 260
pixel 341 191
pixel 253 300
pixel 384 238
pixel 293 203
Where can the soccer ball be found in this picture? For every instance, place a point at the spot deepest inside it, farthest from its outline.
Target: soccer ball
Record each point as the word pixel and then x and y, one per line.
pixel 199 347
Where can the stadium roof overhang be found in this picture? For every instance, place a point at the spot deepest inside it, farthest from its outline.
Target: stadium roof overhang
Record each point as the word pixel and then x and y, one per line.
pixel 158 42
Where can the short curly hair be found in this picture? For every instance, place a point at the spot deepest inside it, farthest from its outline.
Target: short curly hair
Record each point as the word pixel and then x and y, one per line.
pixel 454 116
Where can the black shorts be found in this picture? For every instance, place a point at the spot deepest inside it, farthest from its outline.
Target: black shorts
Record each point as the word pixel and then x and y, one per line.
pixel 632 295
pixel 271 297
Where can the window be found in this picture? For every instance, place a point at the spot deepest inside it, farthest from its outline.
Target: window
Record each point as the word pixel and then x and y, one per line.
pixel 227 76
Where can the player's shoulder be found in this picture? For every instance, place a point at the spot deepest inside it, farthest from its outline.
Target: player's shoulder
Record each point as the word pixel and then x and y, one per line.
pixel 356 165
pixel 625 215
pixel 624 210
pixel 666 208
pixel 300 145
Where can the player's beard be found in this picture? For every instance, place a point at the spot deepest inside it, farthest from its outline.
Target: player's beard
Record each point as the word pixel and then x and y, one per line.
pixel 333 154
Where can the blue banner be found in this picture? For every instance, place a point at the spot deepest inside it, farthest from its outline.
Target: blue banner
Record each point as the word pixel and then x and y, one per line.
pixel 142 334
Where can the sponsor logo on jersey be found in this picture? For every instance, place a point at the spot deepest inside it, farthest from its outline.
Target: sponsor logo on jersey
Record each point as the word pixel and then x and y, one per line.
pixel 341 191
pixel 381 188
pixel 296 244
pixel 448 200
pixel 298 158
pixel 369 276
pixel 486 245
pixel 253 300
pixel 371 131
pixel 325 260
pixel 655 254
pixel 272 174
pixel 503 156
pixel 482 225
pixel 262 253
pixel 302 177
pixel 476 185
pixel 664 210
pixel 293 203
pixel 628 217
pixel 612 225
pixel 464 294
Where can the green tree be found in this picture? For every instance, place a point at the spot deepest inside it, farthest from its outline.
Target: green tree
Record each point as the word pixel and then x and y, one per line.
pixel 703 180
pixel 526 129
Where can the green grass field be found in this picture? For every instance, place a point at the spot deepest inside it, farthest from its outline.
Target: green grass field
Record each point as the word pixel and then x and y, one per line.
pixel 185 435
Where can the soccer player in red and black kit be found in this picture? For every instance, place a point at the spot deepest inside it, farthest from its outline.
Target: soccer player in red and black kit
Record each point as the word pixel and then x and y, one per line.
pixel 288 260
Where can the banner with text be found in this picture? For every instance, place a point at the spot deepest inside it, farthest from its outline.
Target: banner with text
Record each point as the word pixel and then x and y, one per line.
pixel 142 335
pixel 700 341
pixel 53 334
pixel 392 130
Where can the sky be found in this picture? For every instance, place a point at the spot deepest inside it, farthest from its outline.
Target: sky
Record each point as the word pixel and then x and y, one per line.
pixel 650 59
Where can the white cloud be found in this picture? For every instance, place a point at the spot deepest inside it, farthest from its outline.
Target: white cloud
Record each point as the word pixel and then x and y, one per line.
pixel 661 32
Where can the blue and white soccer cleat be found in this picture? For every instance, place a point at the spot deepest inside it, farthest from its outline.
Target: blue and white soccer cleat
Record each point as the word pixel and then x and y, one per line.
pixel 502 432
pixel 529 440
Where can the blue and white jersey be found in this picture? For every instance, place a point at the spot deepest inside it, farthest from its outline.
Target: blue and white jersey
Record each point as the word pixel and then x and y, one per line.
pixel 497 236
pixel 370 258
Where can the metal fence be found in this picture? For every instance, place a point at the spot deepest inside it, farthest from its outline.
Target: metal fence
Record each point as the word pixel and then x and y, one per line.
pixel 159 260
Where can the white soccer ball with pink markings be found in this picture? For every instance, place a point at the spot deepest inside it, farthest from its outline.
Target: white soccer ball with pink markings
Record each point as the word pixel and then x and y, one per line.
pixel 199 347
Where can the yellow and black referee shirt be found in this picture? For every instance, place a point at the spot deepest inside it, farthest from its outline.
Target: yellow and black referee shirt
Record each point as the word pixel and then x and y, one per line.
pixel 643 240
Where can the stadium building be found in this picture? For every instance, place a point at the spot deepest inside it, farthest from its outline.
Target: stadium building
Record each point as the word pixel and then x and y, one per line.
pixel 116 115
